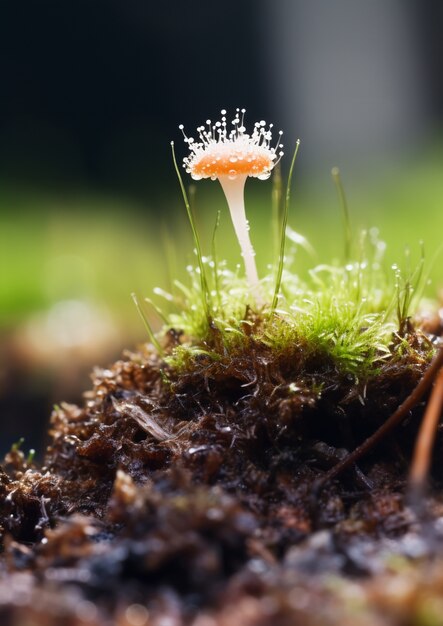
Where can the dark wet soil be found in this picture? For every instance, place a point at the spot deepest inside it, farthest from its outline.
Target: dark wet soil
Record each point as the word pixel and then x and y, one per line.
pixel 175 498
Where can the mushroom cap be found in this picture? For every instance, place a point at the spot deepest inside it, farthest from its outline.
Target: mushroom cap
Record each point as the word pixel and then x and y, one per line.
pixel 232 159
pixel 235 153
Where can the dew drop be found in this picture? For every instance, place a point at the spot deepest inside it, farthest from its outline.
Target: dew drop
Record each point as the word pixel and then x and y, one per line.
pixel 196 176
pixel 232 174
pixel 264 176
pixel 233 159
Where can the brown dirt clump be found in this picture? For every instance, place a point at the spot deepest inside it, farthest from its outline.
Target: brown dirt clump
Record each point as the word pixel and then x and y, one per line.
pixel 187 495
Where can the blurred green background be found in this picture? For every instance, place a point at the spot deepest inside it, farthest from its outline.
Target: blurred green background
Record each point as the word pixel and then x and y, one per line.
pixel 90 209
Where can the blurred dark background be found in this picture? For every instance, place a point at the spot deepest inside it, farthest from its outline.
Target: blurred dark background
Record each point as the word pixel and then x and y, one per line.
pixel 93 91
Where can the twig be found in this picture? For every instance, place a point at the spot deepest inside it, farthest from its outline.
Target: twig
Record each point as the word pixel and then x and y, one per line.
pixel 394 420
pixel 426 437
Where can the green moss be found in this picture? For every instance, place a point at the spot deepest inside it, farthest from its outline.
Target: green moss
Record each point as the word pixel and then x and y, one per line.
pixel 344 315
pixel 348 317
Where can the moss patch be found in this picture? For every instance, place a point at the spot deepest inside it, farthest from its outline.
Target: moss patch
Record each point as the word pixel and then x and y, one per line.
pixel 188 491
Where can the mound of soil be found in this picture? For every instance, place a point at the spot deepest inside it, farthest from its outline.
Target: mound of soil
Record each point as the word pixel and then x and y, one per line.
pixel 188 498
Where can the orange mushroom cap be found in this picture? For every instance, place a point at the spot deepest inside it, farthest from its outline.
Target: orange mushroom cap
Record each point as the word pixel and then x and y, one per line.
pixel 233 154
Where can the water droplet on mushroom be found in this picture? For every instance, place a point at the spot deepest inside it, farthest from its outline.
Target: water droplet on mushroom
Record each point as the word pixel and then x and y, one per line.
pixel 264 176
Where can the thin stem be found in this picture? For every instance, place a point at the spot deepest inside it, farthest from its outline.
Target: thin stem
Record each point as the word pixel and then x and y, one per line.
pixel 426 437
pixel 335 172
pixel 215 262
pixel 276 204
pixel 234 192
pixel 203 281
pixel 147 325
pixel 281 258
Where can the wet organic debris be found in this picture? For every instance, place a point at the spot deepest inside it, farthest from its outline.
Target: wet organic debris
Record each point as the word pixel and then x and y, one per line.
pixel 185 490
pixel 187 494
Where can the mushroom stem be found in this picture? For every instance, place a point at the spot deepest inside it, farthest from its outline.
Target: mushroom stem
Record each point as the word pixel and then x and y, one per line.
pixel 234 192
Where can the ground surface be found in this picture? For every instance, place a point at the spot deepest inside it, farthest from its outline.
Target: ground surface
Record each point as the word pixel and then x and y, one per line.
pixel 188 498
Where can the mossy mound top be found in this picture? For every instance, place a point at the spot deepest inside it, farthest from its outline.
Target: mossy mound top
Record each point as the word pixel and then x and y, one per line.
pixel 185 493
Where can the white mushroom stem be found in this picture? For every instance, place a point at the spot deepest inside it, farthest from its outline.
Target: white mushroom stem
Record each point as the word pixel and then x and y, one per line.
pixel 234 192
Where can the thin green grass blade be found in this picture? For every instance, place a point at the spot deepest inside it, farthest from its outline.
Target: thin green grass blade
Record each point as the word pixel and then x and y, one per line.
pixel 147 325
pixel 204 284
pixel 17 445
pixel 215 261
pixel 276 207
pixel 335 172
pixel 281 259
pixel 158 310
pixel 30 457
pixel 426 275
